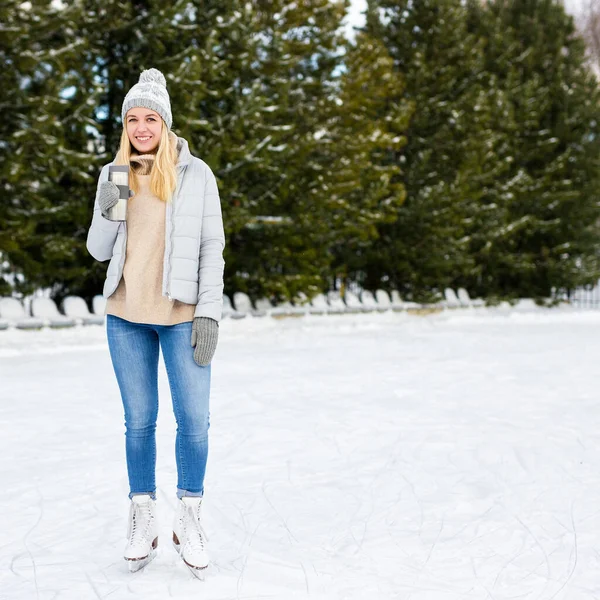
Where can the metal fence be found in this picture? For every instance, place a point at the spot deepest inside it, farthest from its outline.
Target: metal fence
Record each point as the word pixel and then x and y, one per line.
pixel 585 297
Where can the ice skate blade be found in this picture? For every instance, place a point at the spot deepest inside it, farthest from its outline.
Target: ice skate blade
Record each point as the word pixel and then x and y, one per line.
pixel 137 565
pixel 198 573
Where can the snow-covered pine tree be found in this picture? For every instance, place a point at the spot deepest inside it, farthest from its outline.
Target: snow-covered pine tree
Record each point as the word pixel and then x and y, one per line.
pixel 551 194
pixel 274 156
pixel 331 177
pixel 248 83
pixel 450 154
pixel 366 138
pixel 12 105
pixel 234 88
pixel 251 89
pixel 45 170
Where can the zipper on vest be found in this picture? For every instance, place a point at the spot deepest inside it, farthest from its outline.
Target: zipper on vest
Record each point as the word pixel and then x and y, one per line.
pixel 123 252
pixel 169 234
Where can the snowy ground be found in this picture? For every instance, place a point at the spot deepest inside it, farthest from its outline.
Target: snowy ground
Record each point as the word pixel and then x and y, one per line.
pixel 449 457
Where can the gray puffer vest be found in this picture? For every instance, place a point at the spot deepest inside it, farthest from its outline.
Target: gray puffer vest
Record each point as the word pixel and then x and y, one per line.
pixel 194 239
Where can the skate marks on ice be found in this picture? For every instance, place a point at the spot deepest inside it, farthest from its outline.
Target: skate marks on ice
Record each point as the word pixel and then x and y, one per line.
pixel 430 459
pixel 472 478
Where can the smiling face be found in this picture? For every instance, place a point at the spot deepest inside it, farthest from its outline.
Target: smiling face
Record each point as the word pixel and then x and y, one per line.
pixel 143 128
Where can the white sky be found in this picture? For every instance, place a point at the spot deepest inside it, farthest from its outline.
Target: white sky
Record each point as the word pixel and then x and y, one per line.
pixel 574 6
pixel 357 7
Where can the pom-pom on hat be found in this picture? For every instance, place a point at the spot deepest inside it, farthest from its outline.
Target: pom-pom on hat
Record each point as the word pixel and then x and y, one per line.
pixel 149 92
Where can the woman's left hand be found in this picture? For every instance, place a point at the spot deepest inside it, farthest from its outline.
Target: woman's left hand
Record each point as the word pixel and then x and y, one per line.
pixel 205 334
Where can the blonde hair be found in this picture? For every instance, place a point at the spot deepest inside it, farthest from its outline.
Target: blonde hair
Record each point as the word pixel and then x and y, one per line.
pixel 163 177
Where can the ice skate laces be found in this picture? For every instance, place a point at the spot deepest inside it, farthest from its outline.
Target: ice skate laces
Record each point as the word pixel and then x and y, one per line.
pixel 140 517
pixel 195 535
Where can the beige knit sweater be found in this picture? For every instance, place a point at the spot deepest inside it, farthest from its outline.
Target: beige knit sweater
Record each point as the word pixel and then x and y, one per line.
pixel 138 297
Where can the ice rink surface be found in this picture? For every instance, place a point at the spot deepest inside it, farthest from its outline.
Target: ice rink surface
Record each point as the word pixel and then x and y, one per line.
pixel 373 457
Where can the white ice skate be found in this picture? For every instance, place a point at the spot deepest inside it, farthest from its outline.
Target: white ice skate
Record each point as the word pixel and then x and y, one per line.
pixel 189 537
pixel 142 535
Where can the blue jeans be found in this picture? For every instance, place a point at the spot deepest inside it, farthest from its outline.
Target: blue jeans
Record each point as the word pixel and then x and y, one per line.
pixel 134 353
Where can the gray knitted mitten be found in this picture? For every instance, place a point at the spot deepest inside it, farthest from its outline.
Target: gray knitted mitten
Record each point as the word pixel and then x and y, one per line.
pixel 108 196
pixel 205 333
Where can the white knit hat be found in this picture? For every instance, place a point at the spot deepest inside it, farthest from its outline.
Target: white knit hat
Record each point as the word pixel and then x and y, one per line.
pixel 150 92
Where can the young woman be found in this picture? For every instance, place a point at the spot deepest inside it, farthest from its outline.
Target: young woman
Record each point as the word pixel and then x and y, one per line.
pixel 164 287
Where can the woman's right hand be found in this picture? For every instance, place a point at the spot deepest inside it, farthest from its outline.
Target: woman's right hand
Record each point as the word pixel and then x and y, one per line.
pixel 108 196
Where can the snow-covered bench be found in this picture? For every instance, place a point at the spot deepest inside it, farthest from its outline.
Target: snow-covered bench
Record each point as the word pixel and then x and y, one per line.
pixel 368 300
pixel 336 304
pixel 451 300
pixel 243 304
pixel 397 302
pixel 465 299
pixel 399 305
pixel 353 303
pixel 285 309
pixel 229 311
pixel 318 305
pixel 99 305
pixel 383 300
pixel 76 308
pixel 302 303
pixel 12 311
pixel 45 309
